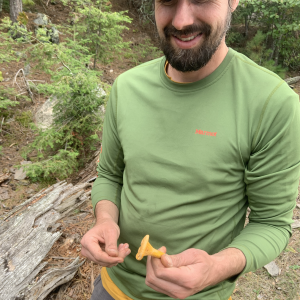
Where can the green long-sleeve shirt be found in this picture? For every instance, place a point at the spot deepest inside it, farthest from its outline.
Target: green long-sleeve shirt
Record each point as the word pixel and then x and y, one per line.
pixel 182 162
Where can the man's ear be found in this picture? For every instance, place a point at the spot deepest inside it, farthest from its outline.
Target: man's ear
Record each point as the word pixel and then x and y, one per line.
pixel 234 4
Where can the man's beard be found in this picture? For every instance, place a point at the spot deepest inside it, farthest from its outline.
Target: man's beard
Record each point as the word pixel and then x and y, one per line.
pixel 187 60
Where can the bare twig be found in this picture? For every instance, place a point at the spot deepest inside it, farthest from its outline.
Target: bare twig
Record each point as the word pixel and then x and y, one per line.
pixel 21 94
pixel 1 124
pixel 35 80
pixel 61 257
pixel 64 64
pixel 26 83
pixel 92 278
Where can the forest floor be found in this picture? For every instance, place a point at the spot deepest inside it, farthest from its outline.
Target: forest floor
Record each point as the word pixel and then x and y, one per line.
pixel 17 134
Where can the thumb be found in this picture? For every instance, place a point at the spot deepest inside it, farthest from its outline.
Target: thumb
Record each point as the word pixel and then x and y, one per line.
pixel 110 239
pixel 185 258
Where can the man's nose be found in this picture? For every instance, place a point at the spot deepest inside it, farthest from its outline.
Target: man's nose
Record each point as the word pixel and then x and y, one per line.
pixel 183 15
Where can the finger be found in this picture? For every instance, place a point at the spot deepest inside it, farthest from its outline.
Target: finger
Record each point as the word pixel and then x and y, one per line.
pixel 111 236
pixel 101 258
pixel 185 258
pixel 160 285
pixel 167 288
pixel 124 250
pixel 182 276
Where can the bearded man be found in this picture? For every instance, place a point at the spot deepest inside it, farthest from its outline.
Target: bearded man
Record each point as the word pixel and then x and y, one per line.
pixel 190 141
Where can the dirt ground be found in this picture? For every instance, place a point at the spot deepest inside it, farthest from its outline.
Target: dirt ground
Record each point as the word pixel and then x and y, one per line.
pixel 16 134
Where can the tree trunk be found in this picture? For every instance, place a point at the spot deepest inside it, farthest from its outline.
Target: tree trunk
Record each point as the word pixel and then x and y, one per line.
pixel 247 22
pixel 277 52
pixel 15 7
pixel 1 5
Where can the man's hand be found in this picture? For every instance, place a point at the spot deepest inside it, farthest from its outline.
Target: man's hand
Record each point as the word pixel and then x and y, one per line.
pixel 189 272
pixel 100 243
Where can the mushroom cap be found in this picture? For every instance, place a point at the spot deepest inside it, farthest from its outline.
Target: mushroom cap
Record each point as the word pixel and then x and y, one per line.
pixel 141 251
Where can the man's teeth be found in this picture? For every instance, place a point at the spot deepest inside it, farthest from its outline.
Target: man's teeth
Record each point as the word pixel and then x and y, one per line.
pixel 188 38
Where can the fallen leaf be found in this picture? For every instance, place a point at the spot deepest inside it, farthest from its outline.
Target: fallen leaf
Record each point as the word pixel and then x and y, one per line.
pixel 290 249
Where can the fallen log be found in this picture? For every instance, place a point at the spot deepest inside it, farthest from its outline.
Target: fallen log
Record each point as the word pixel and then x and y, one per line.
pixel 4 177
pixel 292 80
pixel 26 235
pixel 52 279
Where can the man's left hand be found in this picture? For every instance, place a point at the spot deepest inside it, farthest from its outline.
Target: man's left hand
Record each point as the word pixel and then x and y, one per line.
pixel 192 270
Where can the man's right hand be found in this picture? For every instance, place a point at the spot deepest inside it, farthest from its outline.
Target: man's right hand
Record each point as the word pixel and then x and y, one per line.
pixel 99 244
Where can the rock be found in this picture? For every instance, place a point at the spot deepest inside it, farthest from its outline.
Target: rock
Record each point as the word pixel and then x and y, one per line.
pixel 4 194
pixel 272 269
pixel 292 80
pixel 44 115
pixel 25 162
pixel 29 191
pixel 20 54
pixel 18 32
pixel 296 224
pixel 24 182
pixel 41 20
pixel 10 120
pixel 54 36
pixel 26 69
pixel 12 170
pixel 100 92
pixel 21 174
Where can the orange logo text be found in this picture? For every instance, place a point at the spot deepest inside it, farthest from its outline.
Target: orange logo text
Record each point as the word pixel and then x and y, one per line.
pixel 199 131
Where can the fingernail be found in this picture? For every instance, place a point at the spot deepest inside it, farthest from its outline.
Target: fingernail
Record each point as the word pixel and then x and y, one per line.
pixel 112 250
pixel 126 246
pixel 168 260
pixel 128 252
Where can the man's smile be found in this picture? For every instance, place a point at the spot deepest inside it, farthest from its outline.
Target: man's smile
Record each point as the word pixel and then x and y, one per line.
pixel 187 41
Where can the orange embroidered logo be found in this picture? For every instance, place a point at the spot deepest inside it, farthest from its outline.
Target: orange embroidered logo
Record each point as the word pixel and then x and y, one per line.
pixel 199 131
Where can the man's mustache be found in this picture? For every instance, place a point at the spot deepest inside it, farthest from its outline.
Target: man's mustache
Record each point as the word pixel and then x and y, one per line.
pixel 203 28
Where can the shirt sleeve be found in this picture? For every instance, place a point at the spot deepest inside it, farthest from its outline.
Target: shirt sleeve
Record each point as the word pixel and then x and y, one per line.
pixel 271 178
pixel 110 169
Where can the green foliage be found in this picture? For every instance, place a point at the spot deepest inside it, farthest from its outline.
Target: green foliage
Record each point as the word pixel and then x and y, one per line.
pixel 5 99
pixel 98 28
pixel 258 52
pixel 76 117
pixel 146 10
pixel 143 52
pixel 28 3
pixel 233 38
pixel 12 37
pixel 279 21
pixel 76 89
pixel 25 118
pixel 60 165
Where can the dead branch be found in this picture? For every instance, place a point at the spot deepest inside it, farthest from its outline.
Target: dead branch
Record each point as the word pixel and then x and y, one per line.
pixel 26 238
pixel 26 83
pixel 292 80
pixel 4 177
